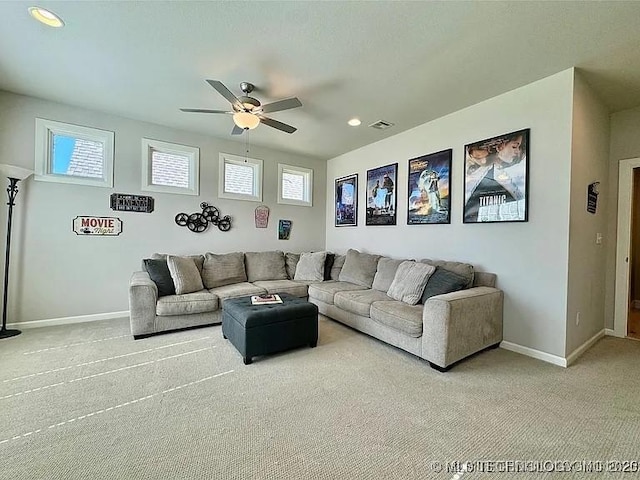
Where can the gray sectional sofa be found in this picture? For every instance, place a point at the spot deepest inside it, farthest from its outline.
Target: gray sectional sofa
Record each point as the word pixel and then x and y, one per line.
pixel 370 293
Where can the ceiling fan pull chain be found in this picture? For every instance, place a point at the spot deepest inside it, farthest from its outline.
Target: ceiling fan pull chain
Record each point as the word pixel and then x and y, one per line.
pixel 246 146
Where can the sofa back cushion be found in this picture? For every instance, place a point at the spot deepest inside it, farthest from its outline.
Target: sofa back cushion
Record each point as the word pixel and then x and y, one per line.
pixel 185 274
pixel 462 269
pixel 338 263
pixel 359 268
pixel 265 266
pixel 443 281
pixel 484 279
pixel 158 271
pixel 225 269
pixel 409 281
pixel 290 263
pixel 311 267
pixel 385 273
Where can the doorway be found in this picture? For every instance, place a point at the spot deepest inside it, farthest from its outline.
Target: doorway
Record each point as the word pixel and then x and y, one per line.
pixel 627 291
pixel 633 316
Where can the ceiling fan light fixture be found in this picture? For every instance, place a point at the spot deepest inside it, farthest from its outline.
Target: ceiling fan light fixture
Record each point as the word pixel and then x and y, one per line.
pixel 246 120
pixel 45 16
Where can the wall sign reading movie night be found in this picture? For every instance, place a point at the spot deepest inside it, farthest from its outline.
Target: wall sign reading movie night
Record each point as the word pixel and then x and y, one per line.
pixel 97 226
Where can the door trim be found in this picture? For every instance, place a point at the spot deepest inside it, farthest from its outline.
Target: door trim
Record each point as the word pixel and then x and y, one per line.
pixel 623 244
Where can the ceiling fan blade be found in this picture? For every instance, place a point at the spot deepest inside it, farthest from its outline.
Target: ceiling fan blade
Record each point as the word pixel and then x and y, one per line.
pixel 285 104
pixel 237 130
pixel 226 93
pixel 276 124
pixel 202 110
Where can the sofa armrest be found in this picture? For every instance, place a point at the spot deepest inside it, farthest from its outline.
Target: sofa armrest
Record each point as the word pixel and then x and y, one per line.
pixel 143 296
pixel 458 324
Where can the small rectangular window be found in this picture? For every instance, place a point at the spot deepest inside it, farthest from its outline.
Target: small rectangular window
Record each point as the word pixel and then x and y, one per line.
pixel 295 185
pixel 169 167
pixel 67 153
pixel 240 178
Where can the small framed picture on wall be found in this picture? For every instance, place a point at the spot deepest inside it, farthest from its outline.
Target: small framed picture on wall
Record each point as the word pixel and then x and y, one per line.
pixel 496 181
pixel 381 195
pixel 429 189
pixel 346 201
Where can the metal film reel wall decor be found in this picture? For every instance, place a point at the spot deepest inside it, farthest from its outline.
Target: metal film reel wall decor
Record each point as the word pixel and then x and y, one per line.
pixel 199 221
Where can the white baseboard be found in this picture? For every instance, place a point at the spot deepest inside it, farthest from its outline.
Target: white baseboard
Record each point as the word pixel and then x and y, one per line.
pixel 67 320
pixel 531 352
pixel 584 347
pixel 612 333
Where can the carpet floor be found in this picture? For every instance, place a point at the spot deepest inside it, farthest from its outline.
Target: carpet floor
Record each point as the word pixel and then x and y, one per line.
pixel 86 401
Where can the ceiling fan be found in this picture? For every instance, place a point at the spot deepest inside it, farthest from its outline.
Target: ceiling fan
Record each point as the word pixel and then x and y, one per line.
pixel 247 111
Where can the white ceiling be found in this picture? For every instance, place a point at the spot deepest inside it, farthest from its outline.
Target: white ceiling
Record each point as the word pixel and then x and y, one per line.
pixel 404 62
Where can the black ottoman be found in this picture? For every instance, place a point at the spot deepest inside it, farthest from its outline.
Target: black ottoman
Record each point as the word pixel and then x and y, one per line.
pixel 262 329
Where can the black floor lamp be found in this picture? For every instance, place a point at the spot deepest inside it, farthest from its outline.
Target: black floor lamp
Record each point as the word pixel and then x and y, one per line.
pixel 14 174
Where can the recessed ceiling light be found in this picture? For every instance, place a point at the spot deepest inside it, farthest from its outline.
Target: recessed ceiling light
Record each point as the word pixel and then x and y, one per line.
pixel 45 16
pixel 354 122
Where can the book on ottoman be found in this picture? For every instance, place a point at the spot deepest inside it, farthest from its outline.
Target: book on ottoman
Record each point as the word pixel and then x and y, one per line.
pixel 265 299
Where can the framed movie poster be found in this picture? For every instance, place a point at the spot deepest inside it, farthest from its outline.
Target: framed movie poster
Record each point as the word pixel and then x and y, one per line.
pixel 346 196
pixel 428 189
pixel 496 181
pixel 284 229
pixel 381 195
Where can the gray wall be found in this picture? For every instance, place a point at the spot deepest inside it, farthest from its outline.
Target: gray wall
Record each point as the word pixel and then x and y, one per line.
pixel 530 258
pixel 55 273
pixel 587 260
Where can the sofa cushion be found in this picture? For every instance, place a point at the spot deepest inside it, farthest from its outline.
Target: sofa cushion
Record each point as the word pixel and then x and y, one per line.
pixel 196 302
pixel 225 269
pixel 185 274
pixel 199 259
pixel 409 281
pixel 385 273
pixel 336 268
pixel 290 263
pixel 311 266
pixel 399 316
pixel 359 268
pixel 158 271
pixel 265 266
pixel 297 289
pixel 326 290
pixel 236 290
pixel 462 269
pixel 328 265
pixel 443 281
pixel 359 301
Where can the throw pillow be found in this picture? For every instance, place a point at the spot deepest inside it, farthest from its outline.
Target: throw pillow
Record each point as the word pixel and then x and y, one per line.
pixel 443 281
pixel 265 266
pixel 460 268
pixel 359 268
pixel 328 265
pixel 225 269
pixel 199 259
pixel 159 272
pixel 185 274
pixel 386 272
pixel 338 263
pixel 310 267
pixel 290 263
pixel 409 281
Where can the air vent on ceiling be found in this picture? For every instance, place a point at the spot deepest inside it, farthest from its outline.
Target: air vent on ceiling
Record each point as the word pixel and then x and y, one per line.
pixel 382 124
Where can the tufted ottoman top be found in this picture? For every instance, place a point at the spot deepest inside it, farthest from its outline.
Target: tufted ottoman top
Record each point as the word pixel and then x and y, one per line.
pixel 250 316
